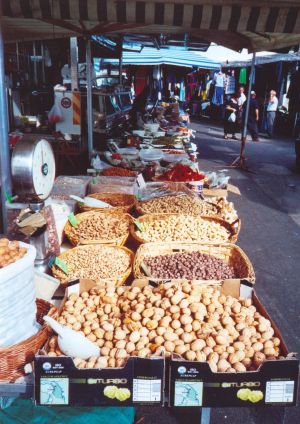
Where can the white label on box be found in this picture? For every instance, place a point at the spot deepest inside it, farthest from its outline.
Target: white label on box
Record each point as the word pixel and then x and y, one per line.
pixel 146 390
pixel 280 391
pixel 188 393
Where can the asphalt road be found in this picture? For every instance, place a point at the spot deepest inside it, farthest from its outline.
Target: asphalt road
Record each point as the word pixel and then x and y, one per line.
pixel 269 207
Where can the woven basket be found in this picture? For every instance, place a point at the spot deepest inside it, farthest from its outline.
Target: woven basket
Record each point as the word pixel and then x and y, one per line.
pixel 118 281
pixel 183 191
pixel 74 236
pixel 232 228
pixel 14 358
pixel 230 253
pixel 121 202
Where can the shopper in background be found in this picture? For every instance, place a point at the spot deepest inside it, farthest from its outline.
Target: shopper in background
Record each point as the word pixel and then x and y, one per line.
pixel 241 102
pixel 231 117
pixel 253 116
pixel 138 109
pixel 271 112
pixel 242 97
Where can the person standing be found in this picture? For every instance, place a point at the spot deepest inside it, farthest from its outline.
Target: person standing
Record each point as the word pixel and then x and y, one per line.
pixel 231 117
pixel 271 112
pixel 242 98
pixel 253 116
pixel 241 102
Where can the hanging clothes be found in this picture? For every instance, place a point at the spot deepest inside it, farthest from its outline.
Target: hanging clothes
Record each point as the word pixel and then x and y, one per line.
pixel 243 76
pixel 218 98
pixel 182 92
pixel 230 84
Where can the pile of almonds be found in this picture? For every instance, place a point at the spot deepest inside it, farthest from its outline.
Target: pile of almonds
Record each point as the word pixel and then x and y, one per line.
pixel 10 251
pixel 189 265
pixel 196 322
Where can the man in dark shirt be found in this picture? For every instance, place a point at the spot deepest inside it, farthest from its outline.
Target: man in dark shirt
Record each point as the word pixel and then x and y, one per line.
pixel 253 117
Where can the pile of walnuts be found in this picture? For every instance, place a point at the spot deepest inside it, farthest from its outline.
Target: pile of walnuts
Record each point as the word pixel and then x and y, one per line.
pixel 197 322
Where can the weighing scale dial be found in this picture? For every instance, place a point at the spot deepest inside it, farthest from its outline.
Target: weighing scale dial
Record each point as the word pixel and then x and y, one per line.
pixel 33 169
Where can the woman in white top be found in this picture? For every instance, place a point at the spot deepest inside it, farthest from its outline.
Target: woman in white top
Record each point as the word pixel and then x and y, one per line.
pixel 271 112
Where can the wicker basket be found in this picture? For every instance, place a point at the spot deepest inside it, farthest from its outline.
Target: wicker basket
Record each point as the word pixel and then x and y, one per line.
pixel 118 281
pixel 218 206
pixel 14 358
pixel 230 253
pixel 232 228
pixel 120 202
pixel 74 237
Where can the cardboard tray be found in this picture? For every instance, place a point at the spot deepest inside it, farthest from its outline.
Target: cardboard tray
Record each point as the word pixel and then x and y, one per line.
pixel 59 382
pixel 193 384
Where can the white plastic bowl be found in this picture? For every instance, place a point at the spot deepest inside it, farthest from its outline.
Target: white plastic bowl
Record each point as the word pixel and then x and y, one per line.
pixel 139 133
pixel 151 127
pixel 151 155
pixel 158 134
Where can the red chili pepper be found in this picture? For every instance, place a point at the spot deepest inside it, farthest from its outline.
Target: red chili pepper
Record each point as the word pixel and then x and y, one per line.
pixel 182 173
pixel 116 156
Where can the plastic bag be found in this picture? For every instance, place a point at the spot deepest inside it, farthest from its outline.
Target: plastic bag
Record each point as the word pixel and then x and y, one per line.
pixel 98 164
pixel 217 180
pixel 55 115
pixel 232 117
pixel 113 185
pixel 159 189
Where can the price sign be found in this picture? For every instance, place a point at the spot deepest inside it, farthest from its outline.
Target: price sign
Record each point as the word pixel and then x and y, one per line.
pixel 72 220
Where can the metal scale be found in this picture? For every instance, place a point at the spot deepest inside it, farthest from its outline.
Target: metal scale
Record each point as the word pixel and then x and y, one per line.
pixel 33 173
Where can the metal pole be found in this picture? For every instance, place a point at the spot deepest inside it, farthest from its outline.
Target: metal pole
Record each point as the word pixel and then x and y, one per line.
pixel 121 60
pixel 18 59
pixel 5 169
pixel 43 63
pixel 89 97
pixel 74 63
pixel 244 134
pixel 34 66
pixel 249 95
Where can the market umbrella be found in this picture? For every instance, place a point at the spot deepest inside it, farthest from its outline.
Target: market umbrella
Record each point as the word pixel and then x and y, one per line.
pixel 262 25
pixel 171 56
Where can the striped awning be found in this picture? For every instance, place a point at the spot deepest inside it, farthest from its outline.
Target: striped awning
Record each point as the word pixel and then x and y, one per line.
pixel 174 57
pixel 256 24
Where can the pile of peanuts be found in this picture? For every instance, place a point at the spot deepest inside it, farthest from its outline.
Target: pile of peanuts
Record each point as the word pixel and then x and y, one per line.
pixel 178 204
pixel 93 262
pixel 10 251
pixel 189 265
pixel 99 226
pixel 183 228
pixel 196 322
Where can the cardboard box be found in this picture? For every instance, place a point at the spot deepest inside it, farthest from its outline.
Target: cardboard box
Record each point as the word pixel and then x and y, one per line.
pixel 59 382
pixel 193 384
pixel 221 192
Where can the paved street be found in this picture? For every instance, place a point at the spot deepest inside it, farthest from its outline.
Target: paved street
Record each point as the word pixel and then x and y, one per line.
pixel 269 207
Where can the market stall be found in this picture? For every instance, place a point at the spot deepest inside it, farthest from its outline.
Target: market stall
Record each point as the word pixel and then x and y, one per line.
pixel 153 301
